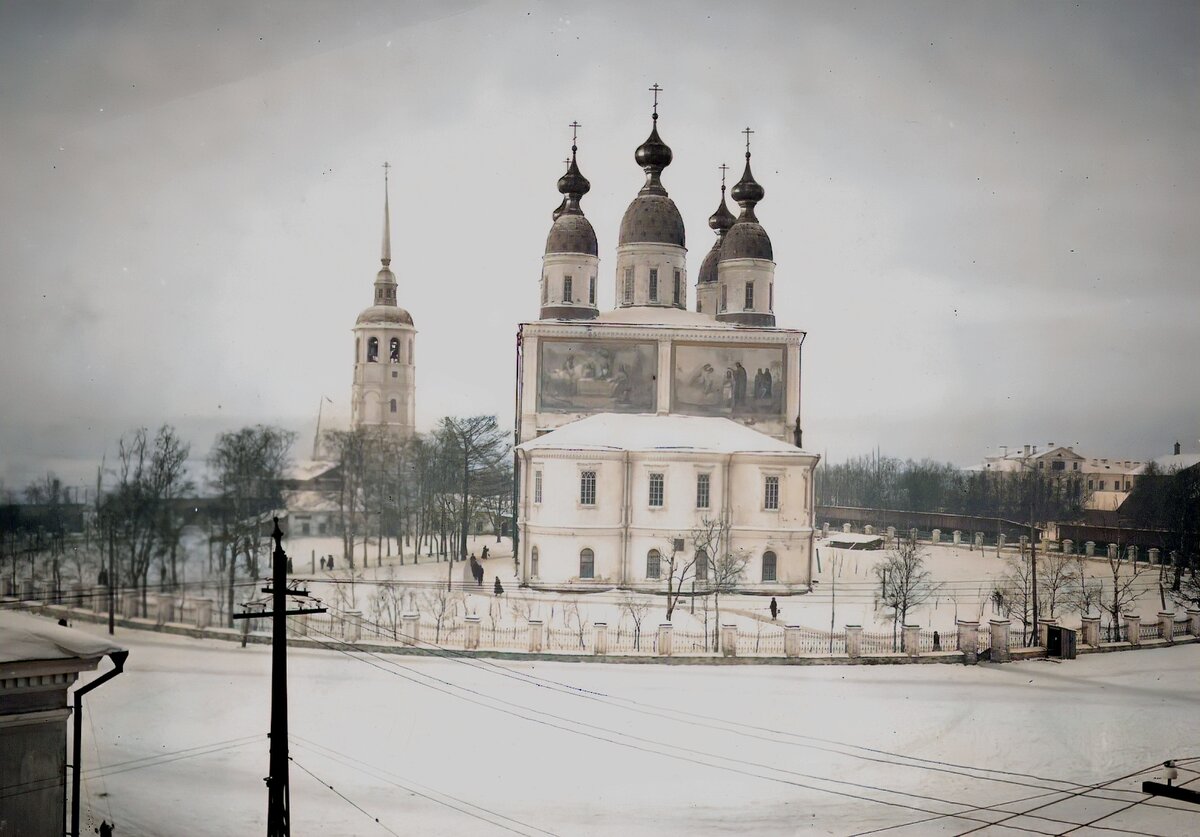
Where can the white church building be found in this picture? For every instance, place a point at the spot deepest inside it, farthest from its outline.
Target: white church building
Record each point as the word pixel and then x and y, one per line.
pixel 641 424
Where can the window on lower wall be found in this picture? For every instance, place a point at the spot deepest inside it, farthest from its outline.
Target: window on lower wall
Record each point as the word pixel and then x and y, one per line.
pixel 392 405
pixel 587 564
pixel 653 559
pixel 537 486
pixel 587 488
pixel 702 490
pixel 701 570
pixel 768 566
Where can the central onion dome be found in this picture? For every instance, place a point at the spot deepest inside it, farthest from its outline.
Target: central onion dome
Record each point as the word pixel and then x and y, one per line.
pixel 747 239
pixel 652 217
pixel 720 222
pixel 572 232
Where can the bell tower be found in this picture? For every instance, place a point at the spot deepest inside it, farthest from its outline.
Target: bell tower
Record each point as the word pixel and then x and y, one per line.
pixel 384 388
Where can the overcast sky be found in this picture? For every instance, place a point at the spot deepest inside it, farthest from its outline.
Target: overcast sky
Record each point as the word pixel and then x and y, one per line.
pixel 985 215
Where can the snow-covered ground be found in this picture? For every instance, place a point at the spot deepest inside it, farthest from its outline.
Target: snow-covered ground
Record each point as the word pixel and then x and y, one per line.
pixel 177 745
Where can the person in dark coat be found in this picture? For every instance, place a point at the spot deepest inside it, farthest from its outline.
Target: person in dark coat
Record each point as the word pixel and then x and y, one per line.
pixel 322 562
pixel 774 608
pixel 937 641
pixel 105 830
pixel 483 555
pixel 498 588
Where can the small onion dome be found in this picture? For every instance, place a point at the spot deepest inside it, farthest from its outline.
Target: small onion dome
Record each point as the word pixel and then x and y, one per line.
pixel 652 219
pixel 653 156
pixel 747 239
pixel 572 233
pixel 720 222
pixel 384 314
pixel 385 275
pixel 573 184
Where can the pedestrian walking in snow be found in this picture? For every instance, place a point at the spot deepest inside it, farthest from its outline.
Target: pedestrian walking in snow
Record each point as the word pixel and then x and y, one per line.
pixel 322 563
pixel 105 830
pixel 774 608
pixel 498 588
pixel 484 554
pixel 937 641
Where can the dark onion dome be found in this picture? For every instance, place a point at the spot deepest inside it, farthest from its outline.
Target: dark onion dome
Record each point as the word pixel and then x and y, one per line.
pixel 571 232
pixel 747 239
pixel 652 217
pixel 384 314
pixel 720 222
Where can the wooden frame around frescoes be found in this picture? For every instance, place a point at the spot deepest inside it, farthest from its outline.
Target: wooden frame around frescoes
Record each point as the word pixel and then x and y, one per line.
pixel 597 376
pixel 710 379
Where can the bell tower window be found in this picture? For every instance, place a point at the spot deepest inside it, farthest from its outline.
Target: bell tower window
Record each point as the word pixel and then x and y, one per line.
pixel 592 291
pixel 567 289
pixel 678 288
pixel 654 284
pixel 372 349
pixel 724 298
pixel 394 350
pixel 392 405
pixel 629 286
pixel 749 306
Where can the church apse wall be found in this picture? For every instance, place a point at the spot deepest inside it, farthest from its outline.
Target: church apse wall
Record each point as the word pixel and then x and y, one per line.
pixel 729 381
pixel 597 376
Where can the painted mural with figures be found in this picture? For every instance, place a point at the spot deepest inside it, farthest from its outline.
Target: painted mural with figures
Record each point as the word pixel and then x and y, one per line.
pixel 729 380
pixel 597 376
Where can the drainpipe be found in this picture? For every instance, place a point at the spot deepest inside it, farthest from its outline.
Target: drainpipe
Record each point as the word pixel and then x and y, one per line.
pixel 118 658
pixel 625 515
pixel 522 515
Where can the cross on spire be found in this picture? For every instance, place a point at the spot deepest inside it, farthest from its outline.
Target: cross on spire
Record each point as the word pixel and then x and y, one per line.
pixel 386 166
pixel 574 126
pixel 724 168
pixel 747 132
pixel 655 90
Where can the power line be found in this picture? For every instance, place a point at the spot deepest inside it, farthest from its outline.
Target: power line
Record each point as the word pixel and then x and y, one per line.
pixel 343 796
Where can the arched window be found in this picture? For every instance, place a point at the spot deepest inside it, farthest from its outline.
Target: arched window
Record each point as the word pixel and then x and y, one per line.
pixel 701 565
pixel 769 567
pixel 357 349
pixel 394 347
pixel 411 359
pixel 533 562
pixel 653 557
pixel 587 563
pixel 372 349
pixel 392 405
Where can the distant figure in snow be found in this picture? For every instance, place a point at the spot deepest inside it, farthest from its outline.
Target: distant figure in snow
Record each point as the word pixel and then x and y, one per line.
pixel 105 829
pixel 103 579
pixel 498 588
pixel 63 623
pixel 322 562
pixel 774 608
pixel 477 571
pixel 483 555
pixel 331 562
pixel 937 641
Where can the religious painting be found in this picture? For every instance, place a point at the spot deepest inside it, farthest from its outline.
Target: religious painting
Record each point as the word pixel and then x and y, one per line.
pixel 732 381
pixel 597 376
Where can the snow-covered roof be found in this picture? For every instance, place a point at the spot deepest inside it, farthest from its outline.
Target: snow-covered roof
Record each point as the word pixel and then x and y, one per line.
pixel 307 469
pixel 1178 461
pixel 613 431
pixel 854 540
pixel 25 638
pixel 308 501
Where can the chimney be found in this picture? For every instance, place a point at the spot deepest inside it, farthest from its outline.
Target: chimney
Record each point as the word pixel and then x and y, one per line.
pixel 1027 450
pixel 1177 448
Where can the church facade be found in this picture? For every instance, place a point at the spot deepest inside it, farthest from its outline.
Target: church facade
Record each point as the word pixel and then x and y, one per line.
pixel 642 427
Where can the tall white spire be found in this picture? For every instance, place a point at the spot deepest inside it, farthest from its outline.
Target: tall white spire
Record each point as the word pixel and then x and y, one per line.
pixel 386 256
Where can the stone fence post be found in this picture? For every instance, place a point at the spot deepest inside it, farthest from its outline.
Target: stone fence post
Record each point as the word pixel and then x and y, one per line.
pixel 936 536
pixel 1043 630
pixel 1154 556
pixel 979 540
pixel 1112 551
pixel 791 640
pixel 999 640
pixel 968 641
pixel 298 625
pixel 891 532
pixel 1132 553
pixel 854 641
pixel 912 534
pixel 729 640
pixel 1089 549
pixel 1193 621
pixel 1068 546
pixel 664 639
pixel 1133 627
pixel 600 638
pixel 410 628
pixel 471 640
pixel 1091 630
pixel 912 640
pixel 845 527
pixel 825 529
pixel 957 537
pixel 1166 625
pixel 77 601
pixel 535 636
pixel 164 605
pixel 27 589
pixel 204 611
pixel 1000 539
pixel 353 625
pixel 868 530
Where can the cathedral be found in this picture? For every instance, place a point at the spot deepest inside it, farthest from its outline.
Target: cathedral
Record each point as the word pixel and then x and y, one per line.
pixel 383 392
pixel 641 427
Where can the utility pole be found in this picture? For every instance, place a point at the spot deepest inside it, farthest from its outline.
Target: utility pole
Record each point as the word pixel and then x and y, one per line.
pixel 279 821
pixel 112 579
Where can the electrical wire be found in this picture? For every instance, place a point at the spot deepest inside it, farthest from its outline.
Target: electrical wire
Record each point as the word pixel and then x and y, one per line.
pixel 343 796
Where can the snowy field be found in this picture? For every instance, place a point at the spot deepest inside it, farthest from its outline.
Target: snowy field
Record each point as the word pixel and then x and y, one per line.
pixel 177 746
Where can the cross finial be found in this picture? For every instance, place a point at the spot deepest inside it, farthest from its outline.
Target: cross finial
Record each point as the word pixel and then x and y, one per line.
pixel 724 168
pixel 567 161
pixel 747 132
pixel 386 166
pixel 574 126
pixel 655 90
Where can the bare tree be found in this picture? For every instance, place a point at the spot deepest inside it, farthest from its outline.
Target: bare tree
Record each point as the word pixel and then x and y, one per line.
pixel 476 445
pixel 679 570
pixel 444 605
pixel 637 609
pixel 1058 579
pixel 726 567
pixel 1125 589
pixel 904 583
pixel 1087 595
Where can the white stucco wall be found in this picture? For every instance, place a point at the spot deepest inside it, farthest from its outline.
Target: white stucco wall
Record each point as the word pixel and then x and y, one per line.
pixel 377 383
pixel 666 258
pixel 735 273
pixel 582 269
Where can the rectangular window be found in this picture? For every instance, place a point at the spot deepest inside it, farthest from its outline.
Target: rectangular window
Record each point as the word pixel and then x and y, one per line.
pixel 587 488
pixel 701 565
pixel 678 288
pixel 629 286
pixel 592 291
pixel 749 296
pixel 1074 466
pixel 1101 485
pixel 656 490
pixel 537 486
pixel 702 484
pixel 1090 486
pixel 724 299
pixel 771 297
pixel 771 493
pixel 1058 465
pixel 567 281
pixel 654 284
pixel 545 289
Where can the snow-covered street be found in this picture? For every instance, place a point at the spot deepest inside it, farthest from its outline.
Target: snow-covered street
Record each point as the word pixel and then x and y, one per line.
pixel 458 746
